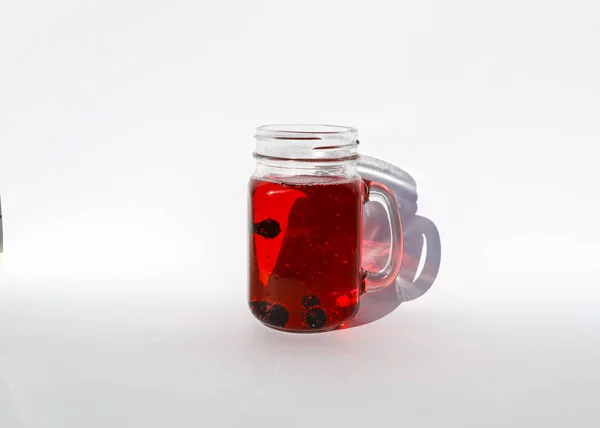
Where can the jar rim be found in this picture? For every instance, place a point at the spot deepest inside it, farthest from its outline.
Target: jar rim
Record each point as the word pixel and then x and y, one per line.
pixel 304 131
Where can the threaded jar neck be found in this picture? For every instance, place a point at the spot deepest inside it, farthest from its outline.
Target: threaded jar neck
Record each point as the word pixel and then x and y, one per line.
pixel 306 143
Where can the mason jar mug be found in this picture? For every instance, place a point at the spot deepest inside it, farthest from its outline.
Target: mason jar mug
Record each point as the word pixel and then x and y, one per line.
pixel 305 237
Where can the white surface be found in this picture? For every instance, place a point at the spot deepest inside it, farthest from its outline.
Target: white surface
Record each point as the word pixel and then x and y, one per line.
pixel 125 140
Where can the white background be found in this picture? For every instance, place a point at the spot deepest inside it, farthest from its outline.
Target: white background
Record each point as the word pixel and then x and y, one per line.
pixel 126 133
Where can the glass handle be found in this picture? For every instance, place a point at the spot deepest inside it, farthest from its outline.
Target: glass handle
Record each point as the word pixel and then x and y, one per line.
pixel 378 192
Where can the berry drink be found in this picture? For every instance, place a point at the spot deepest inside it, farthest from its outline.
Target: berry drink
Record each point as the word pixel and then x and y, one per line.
pixel 305 255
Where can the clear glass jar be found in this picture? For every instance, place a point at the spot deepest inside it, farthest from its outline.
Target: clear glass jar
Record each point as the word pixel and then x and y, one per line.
pixel 305 207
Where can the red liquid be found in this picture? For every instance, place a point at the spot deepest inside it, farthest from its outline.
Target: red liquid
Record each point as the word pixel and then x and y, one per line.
pixel 305 272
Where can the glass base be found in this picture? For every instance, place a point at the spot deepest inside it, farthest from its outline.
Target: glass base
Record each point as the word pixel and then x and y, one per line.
pixel 311 331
